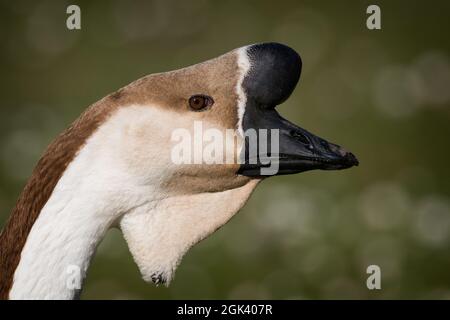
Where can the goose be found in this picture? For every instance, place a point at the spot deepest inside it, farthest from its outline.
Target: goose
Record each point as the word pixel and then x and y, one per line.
pixel 111 168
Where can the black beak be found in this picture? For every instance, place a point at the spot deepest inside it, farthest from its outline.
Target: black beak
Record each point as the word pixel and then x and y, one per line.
pixel 273 145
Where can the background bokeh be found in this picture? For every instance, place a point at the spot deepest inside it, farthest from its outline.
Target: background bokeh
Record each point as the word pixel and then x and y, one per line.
pixel 383 94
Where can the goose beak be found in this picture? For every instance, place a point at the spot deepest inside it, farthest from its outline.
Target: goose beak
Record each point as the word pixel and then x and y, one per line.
pixel 275 71
pixel 292 149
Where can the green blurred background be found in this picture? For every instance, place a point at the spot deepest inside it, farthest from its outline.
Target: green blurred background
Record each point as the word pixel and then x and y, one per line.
pixel 383 94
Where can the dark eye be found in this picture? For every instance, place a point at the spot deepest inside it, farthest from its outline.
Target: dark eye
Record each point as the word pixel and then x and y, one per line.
pixel 200 102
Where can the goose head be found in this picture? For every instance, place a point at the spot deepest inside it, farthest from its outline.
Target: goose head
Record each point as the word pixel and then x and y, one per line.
pixel 238 92
pixel 136 160
pixel 190 113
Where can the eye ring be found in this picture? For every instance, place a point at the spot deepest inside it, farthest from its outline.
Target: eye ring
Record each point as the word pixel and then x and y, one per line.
pixel 200 102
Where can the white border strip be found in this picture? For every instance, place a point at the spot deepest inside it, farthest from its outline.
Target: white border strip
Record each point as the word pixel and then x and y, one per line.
pixel 244 67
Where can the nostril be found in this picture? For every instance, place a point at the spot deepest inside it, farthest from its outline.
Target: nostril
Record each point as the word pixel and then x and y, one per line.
pixel 300 137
